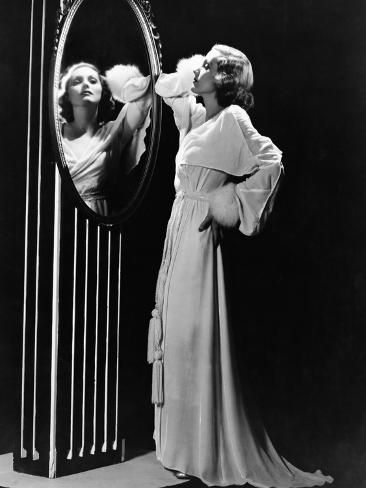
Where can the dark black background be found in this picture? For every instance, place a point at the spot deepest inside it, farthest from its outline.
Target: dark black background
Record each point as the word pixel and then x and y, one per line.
pixel 299 289
pixel 97 36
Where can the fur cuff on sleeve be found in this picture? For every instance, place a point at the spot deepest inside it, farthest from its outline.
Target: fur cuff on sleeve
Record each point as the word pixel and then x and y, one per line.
pixel 185 69
pixel 223 205
pixel 119 76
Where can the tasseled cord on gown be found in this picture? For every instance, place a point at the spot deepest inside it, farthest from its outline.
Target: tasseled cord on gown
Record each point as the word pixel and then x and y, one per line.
pixel 155 356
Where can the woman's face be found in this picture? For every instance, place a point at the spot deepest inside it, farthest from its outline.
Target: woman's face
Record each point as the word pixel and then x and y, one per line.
pixel 204 77
pixel 84 87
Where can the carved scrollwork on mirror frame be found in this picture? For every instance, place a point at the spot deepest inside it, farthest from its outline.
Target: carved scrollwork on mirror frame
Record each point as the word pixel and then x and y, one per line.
pixel 94 45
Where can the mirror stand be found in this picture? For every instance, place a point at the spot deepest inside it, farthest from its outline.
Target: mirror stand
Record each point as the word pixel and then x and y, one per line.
pixel 72 367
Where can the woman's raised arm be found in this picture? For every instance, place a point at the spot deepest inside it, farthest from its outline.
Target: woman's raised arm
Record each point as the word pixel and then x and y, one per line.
pixel 175 88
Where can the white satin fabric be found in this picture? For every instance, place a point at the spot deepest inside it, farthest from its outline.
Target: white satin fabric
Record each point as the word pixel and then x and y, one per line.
pixel 205 426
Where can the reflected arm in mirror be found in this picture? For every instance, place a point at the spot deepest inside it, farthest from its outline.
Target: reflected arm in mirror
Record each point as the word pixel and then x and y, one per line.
pixel 134 118
pixel 136 113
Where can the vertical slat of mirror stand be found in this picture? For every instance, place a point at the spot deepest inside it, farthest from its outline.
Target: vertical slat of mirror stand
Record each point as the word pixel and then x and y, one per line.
pixel 35 453
pixel 115 443
pixel 92 451
pixel 106 369
pixel 72 389
pixel 79 283
pixel 23 451
pixel 81 452
pixel 55 323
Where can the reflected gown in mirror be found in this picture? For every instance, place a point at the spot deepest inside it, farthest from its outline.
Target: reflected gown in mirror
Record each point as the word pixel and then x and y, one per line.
pixel 204 425
pixel 93 173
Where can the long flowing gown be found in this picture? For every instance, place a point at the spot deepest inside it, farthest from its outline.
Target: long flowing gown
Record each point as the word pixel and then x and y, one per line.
pixel 203 424
pixel 93 172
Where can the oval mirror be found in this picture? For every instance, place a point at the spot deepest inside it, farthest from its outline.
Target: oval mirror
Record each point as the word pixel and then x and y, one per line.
pixel 105 115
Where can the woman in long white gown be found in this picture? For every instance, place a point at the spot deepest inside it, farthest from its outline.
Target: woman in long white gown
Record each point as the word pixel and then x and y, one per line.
pixel 203 427
pixel 93 144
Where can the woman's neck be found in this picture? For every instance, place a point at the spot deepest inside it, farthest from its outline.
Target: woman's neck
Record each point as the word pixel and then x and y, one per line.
pixel 211 105
pixel 85 120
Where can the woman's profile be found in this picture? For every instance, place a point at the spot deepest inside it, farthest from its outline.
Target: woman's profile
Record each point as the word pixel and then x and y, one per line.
pixel 92 141
pixel 227 175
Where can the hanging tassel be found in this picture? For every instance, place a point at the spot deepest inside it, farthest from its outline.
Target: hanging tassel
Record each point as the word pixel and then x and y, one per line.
pixel 155 356
pixel 154 336
pixel 157 396
pixel 150 341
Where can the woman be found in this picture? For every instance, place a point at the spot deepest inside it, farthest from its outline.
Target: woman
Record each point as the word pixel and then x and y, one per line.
pixel 92 142
pixel 203 426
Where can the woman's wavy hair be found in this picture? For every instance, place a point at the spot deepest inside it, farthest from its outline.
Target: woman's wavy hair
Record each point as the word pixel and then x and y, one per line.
pixel 106 105
pixel 234 78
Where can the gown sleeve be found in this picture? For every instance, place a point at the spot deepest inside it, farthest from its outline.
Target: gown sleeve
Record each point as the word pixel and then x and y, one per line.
pixel 187 112
pixel 129 129
pixel 255 195
pixel 248 204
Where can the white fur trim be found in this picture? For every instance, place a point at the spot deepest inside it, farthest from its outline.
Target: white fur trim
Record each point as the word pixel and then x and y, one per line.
pixel 223 205
pixel 118 76
pixel 185 69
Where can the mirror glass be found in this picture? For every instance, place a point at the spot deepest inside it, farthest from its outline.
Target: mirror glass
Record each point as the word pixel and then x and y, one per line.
pixel 104 104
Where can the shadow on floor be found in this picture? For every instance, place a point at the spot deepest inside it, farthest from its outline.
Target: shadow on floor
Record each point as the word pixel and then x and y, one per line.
pixel 197 484
pixel 188 484
pixel 133 452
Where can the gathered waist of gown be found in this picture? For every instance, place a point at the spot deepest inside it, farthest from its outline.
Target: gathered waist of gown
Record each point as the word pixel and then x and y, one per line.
pixel 193 195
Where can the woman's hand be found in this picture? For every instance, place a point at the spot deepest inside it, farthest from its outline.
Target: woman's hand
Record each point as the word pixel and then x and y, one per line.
pixel 217 233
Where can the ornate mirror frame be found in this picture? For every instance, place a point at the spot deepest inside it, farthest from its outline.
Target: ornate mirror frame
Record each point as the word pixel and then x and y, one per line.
pixel 143 11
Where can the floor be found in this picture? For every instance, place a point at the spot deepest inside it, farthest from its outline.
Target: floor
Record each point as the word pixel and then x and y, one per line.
pixel 142 471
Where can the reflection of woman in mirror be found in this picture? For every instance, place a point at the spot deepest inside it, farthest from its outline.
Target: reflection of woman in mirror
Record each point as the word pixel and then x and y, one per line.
pixel 227 174
pixel 92 142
